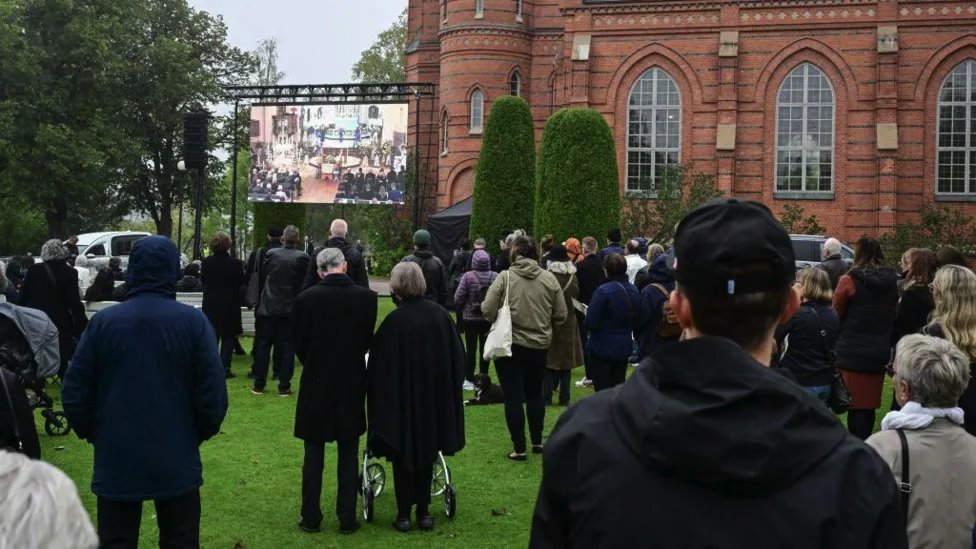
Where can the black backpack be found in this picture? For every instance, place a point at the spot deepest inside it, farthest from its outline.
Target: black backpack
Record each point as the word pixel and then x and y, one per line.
pixel 479 297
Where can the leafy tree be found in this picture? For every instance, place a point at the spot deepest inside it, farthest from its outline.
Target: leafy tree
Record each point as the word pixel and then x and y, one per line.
pixel 179 57
pixel 795 222
pixel 678 191
pixel 577 190
pixel 505 175
pixel 266 71
pixel 937 226
pixel 383 61
pixel 63 150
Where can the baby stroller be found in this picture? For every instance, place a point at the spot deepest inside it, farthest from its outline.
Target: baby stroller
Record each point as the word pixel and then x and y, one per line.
pixel 373 481
pixel 29 349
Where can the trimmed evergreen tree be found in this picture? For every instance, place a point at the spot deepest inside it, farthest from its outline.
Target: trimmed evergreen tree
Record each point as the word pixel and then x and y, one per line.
pixel 577 189
pixel 504 188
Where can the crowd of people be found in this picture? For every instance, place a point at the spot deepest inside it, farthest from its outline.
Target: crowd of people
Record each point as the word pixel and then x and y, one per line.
pixel 726 418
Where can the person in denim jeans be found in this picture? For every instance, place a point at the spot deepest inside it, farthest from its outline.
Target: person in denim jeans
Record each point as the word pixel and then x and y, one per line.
pixel 807 340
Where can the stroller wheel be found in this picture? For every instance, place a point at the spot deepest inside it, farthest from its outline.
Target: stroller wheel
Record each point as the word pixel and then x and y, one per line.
pixel 450 501
pixel 33 400
pixel 440 479
pixel 56 424
pixel 376 478
pixel 368 505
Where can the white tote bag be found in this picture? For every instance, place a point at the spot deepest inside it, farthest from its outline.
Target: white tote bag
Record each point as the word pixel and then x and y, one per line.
pixel 499 341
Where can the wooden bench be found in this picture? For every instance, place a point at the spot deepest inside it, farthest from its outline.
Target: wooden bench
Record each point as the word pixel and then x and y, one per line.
pixel 192 299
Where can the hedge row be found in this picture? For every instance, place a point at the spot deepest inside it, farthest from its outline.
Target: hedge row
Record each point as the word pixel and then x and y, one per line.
pixel 269 214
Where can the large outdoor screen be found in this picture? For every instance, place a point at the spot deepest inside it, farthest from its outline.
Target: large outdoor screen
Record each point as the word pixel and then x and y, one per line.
pixel 328 154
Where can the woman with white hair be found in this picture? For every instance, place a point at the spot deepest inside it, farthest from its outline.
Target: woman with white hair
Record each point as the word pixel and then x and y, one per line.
pixel 931 456
pixel 52 286
pixel 40 507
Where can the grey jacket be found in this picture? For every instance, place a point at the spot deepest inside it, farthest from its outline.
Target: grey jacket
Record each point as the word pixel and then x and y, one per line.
pixel 942 467
pixel 285 268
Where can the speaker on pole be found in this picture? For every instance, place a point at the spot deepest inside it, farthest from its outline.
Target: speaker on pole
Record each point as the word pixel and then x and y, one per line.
pixel 195 126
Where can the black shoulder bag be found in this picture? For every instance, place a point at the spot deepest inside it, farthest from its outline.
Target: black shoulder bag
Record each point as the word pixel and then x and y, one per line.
pixel 840 397
pixel 905 486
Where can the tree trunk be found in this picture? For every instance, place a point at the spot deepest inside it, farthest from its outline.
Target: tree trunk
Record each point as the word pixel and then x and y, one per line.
pixel 164 227
pixel 57 216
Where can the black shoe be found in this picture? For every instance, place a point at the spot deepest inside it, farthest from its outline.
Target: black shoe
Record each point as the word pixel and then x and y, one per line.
pixel 256 391
pixel 426 522
pixel 229 374
pixel 309 528
pixel 349 528
pixel 285 392
pixel 402 524
pixel 536 448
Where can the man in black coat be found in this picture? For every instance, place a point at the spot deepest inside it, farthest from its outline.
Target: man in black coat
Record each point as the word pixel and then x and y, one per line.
pixel 355 263
pixel 833 263
pixel 285 269
pixel 332 397
pixel 705 446
pixel 591 275
pixel 252 269
pixel 435 275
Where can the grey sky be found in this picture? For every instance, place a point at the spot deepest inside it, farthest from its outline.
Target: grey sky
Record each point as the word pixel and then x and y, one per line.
pixel 318 40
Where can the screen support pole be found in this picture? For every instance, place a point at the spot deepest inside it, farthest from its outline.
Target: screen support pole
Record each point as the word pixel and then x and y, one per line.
pixel 233 188
pixel 416 167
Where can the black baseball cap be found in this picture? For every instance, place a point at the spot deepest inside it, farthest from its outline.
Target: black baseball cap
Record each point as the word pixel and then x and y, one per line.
pixel 275 232
pixel 730 247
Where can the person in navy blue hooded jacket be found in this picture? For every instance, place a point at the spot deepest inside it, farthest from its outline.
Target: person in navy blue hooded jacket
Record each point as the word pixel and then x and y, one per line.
pixel 660 284
pixel 610 319
pixel 146 388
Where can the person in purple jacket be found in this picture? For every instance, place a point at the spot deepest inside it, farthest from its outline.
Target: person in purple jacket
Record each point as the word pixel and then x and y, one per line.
pixel 468 297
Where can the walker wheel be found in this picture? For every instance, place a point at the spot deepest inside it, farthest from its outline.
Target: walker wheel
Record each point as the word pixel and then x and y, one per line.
pixel 376 478
pixel 440 479
pixel 450 501
pixel 57 425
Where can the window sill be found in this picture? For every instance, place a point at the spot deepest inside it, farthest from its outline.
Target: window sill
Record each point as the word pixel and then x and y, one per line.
pixel 475 132
pixel 804 195
pixel 443 154
pixel 479 16
pixel 946 197
pixel 518 19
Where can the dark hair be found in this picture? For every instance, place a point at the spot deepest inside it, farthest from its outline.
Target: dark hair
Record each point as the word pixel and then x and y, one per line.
pixel 546 243
pixel 614 264
pixel 613 235
pixel 192 270
pixel 115 262
pixel 868 253
pixel 220 242
pixel 950 255
pixel 465 243
pixel 524 246
pixel 746 319
pixel 922 265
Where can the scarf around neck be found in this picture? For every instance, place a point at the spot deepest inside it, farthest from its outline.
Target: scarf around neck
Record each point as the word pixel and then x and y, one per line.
pixel 914 416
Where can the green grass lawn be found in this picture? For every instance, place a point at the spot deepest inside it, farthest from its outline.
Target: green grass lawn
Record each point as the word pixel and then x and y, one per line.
pixel 252 481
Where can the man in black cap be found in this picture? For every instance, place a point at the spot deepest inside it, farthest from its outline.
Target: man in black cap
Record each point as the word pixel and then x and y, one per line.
pixel 433 268
pixel 613 244
pixel 705 446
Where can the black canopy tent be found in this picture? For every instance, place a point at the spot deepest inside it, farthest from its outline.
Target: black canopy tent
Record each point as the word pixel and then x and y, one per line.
pixel 447 227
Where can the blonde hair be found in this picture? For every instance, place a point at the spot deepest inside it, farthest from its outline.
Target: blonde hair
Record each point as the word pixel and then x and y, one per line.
pixel 815 284
pixel 955 307
pixel 407 280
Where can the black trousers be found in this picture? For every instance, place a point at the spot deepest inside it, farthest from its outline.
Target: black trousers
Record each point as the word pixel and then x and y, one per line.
pixel 475 334
pixel 583 337
pixel 607 374
pixel 521 379
pixel 178 520
pixel 347 481
pixel 412 488
pixel 556 379
pixel 276 333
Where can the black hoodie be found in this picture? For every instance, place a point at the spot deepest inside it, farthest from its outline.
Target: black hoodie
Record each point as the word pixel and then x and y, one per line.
pixel 355 264
pixel 705 447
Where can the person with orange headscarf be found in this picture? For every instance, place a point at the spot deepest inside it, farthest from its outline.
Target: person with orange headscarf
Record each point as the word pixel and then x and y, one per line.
pixel 574 250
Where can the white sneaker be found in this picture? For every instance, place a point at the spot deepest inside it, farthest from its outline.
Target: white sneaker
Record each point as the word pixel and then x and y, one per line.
pixel 585 382
pixel 468 386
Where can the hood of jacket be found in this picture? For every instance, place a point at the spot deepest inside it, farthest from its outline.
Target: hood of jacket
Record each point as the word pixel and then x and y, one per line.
pixel 562 267
pixel 423 253
pixel 481 261
pixel 876 279
pixel 154 267
pixel 723 420
pixel 526 268
pixel 659 271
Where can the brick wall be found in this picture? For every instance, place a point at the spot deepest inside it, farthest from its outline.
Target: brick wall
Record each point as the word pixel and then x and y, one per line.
pixel 874 82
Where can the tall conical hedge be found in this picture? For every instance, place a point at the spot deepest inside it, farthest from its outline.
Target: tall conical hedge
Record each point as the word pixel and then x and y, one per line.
pixel 504 187
pixel 577 187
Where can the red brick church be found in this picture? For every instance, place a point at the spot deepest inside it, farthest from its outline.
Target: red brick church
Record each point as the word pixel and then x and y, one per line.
pixel 857 110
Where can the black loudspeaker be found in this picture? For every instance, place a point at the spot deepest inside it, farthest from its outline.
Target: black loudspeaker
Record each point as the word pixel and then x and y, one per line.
pixel 195 126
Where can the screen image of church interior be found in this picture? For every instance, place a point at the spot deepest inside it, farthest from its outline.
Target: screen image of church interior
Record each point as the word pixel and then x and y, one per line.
pixel 331 154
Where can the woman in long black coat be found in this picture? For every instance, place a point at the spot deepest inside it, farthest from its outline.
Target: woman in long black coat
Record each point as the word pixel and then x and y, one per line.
pixel 52 286
pixel 415 409
pixel 222 278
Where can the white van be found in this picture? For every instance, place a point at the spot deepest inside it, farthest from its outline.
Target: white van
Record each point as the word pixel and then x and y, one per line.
pixel 99 247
